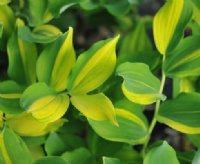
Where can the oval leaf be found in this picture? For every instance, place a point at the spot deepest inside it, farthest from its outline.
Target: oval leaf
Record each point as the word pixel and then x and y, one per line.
pixel 182 113
pixel 140 85
pixel 126 120
pixel 93 67
pixel 169 24
pixel 95 107
pixel 56 61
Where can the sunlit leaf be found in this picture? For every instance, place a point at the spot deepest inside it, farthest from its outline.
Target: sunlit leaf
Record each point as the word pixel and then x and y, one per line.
pixel 164 154
pixel 182 113
pixel 169 24
pixel 93 67
pixel 95 107
pixel 140 85
pixel 126 120
pixel 185 59
pixel 5 2
pixel 43 103
pixel 108 160
pixel 56 61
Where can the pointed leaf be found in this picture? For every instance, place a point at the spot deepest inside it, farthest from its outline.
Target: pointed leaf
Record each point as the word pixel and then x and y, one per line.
pixel 93 67
pixel 126 120
pixel 95 107
pixel 196 159
pixel 43 103
pixel 56 61
pixel 140 85
pixel 169 24
pixel 164 154
pixel 22 58
pixel 13 148
pixel 182 113
pixel 185 59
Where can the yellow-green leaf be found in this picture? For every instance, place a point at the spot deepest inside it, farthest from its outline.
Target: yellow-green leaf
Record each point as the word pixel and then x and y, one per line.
pixel 93 67
pixel 44 105
pixel 126 120
pixel 140 85
pixel 169 24
pixel 95 107
pixel 56 61
pixel 22 58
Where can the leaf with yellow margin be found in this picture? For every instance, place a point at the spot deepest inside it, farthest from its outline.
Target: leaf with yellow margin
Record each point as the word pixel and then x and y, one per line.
pixel 169 24
pixel 56 61
pixel 95 107
pixel 93 67
pixel 140 85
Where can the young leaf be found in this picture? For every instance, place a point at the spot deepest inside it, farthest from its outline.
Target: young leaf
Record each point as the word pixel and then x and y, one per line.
pixel 182 113
pixel 169 24
pixel 126 120
pixel 184 60
pixel 164 154
pixel 140 85
pixel 12 148
pixel 43 103
pixel 93 67
pixel 10 93
pixel 22 58
pixel 108 160
pixel 40 34
pixel 96 107
pixel 56 61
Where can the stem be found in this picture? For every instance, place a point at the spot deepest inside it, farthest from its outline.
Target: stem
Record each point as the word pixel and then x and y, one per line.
pixel 153 122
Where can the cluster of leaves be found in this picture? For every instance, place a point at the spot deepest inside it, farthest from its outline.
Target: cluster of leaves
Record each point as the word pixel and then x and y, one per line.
pixel 59 108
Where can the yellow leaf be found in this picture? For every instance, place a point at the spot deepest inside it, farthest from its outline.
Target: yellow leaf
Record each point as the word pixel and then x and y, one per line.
pixel 96 107
pixel 169 24
pixel 93 67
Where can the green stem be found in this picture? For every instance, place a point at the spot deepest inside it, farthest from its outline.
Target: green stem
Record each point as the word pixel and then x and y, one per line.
pixel 154 120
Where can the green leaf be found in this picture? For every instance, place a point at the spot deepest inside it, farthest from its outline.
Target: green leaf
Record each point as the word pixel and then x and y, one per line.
pixel 51 160
pixel 89 5
pixel 96 107
pixel 43 103
pixel 185 157
pixel 13 148
pixel 1 31
pixel 109 160
pixel 196 159
pixel 169 24
pixel 126 120
pixel 93 67
pixel 136 40
pixel 185 59
pixel 40 34
pixel 80 156
pixel 56 62
pixel 194 139
pixel 22 58
pixel 140 85
pixel 164 154
pixel 117 8
pixel 196 11
pixel 182 113
pixel 5 2
pixel 10 93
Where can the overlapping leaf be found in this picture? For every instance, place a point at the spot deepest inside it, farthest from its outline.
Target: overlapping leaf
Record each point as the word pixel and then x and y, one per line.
pixel 43 103
pixel 182 113
pixel 93 67
pixel 169 24
pixel 56 61
pixel 185 59
pixel 126 120
pixel 140 85
pixel 96 107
